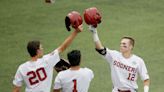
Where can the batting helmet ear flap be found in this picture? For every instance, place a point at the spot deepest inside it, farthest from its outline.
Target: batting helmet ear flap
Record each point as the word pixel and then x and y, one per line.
pixel 67 23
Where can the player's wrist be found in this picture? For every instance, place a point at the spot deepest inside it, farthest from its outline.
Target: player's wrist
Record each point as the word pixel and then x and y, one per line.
pixel 92 29
pixel 146 88
pixel 95 36
pixel 79 29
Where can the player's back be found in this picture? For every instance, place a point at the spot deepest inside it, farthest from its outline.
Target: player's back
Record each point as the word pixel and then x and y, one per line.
pixel 37 75
pixel 75 80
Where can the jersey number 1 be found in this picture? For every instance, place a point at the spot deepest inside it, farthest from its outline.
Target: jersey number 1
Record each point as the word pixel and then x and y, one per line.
pixel 36 76
pixel 74 87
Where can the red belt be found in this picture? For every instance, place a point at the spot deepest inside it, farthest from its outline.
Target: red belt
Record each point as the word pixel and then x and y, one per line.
pixel 123 90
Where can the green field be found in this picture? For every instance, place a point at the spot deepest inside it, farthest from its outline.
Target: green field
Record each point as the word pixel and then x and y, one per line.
pixel 24 20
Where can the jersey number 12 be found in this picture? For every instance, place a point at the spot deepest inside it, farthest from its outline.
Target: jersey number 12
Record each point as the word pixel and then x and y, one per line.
pixel 131 77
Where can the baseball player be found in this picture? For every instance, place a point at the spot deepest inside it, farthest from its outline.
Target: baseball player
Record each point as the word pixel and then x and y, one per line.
pixel 75 79
pixel 125 66
pixel 37 72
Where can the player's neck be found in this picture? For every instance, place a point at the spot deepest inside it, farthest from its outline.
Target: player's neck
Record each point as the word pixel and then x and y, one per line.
pixel 75 67
pixel 34 58
pixel 127 54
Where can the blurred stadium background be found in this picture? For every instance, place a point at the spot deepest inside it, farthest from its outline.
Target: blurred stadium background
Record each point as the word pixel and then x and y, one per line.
pixel 24 20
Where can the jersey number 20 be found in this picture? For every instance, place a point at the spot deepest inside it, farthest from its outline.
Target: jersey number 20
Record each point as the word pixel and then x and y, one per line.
pixel 36 76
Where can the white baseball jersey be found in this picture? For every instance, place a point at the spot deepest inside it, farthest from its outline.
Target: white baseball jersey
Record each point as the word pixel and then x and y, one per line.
pixel 124 71
pixel 74 80
pixel 37 75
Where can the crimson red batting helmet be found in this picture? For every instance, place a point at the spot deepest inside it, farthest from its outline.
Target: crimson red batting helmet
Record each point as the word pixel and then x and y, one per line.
pixel 92 16
pixel 74 19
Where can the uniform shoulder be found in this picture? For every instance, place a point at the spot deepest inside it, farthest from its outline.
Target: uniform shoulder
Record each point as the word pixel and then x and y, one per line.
pixel 24 64
pixel 138 58
pixel 113 51
pixel 46 56
pixel 63 72
pixel 89 72
pixel 87 69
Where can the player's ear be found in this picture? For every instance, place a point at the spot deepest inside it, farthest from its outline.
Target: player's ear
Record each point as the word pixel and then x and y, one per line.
pixel 131 46
pixel 38 51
